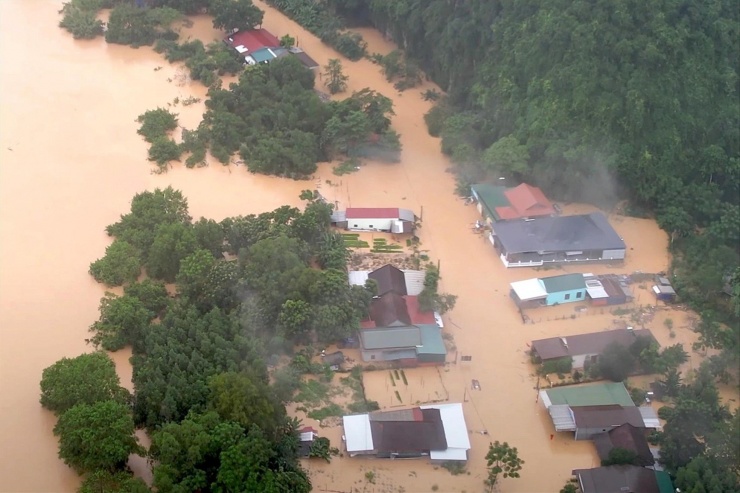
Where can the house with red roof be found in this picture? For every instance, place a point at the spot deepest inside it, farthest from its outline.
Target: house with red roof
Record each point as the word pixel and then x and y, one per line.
pixel 524 201
pixel 248 42
pixel 390 219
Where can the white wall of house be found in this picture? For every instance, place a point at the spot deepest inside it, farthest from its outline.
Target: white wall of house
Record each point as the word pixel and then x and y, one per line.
pixel 614 254
pixel 580 360
pixel 370 356
pixel 382 224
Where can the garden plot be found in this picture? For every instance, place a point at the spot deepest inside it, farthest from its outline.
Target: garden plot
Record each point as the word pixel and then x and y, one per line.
pixel 404 387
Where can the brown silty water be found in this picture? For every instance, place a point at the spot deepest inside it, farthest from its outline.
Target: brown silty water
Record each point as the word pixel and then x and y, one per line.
pixel 70 161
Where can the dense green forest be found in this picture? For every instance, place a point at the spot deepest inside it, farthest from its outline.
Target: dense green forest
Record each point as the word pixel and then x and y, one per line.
pixel 247 288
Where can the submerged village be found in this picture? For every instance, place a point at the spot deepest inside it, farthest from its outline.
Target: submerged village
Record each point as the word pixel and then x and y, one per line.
pixel 508 341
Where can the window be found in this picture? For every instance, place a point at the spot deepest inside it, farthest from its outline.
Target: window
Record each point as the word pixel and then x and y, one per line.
pixel 354 226
pixel 567 296
pixel 372 356
pixel 579 294
pixel 371 226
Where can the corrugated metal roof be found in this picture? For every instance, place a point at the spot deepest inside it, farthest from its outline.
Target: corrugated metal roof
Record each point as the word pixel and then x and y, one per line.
pixel 338 216
pixel 395 337
pixel 357 433
pixel 650 418
pixel 456 432
pixel 372 213
pixel 406 215
pixel 562 417
pixel 591 395
pixel 564 282
pixel 531 289
pixel 431 340
pixel 414 281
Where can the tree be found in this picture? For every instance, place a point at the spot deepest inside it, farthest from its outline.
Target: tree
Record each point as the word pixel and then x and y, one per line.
pixel 163 150
pixel 153 294
pixel 117 482
pixel 570 487
pixel 121 264
pixel 295 319
pixel 149 210
pixel 123 320
pixel 616 362
pixel 172 243
pixel 287 41
pixel 429 298
pixel 81 20
pixel 502 459
pixel 85 379
pixel 704 474
pixel 130 25
pixel 620 456
pixel 210 235
pixel 336 81
pixel 156 123
pixel 322 449
pixel 96 436
pixel 233 15
pixel 245 399
pixel 507 155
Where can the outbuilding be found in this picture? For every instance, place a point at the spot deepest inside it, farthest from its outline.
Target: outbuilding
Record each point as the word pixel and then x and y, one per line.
pixel 549 291
pixel 663 290
pixel 393 220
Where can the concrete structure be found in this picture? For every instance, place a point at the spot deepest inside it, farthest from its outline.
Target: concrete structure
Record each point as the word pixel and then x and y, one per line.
pixel 436 431
pixel 623 479
pixel 557 240
pixel 393 220
pixel 496 203
pixel 584 349
pixel 261 46
pixel 549 291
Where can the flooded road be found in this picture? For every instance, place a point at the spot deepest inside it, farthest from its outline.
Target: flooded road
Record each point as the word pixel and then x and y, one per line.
pixel 70 161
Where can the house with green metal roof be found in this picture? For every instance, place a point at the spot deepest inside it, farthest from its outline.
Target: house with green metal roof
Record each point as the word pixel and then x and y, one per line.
pixel 601 394
pixel 497 203
pixel 409 345
pixel 549 291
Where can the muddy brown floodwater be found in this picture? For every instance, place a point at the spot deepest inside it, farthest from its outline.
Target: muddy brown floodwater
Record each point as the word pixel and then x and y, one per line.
pixel 70 161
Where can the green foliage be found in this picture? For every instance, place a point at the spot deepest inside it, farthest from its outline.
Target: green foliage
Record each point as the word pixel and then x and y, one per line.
pixel 569 487
pixel 506 156
pixel 704 474
pixel 429 298
pixel 562 365
pixel 172 243
pixel 80 18
pixel 149 210
pixel 123 320
pixel 230 15
pixel 328 411
pixel 97 436
pixel 455 468
pixel 502 459
pixel 121 264
pixel 180 355
pixel 245 399
pixel 130 25
pixel 319 19
pixel 321 448
pixel 163 150
pixel 619 456
pixel 117 482
pixel 156 123
pixel 85 379
pixel 205 453
pixel 336 81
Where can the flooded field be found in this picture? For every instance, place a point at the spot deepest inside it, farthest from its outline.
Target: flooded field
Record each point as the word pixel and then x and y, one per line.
pixel 70 161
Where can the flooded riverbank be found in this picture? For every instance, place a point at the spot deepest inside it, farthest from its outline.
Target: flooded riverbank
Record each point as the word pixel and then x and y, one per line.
pixel 70 161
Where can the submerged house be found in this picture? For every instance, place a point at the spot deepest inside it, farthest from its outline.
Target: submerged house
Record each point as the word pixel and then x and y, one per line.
pixel 409 345
pixel 557 240
pixel 260 46
pixel 436 431
pixel 626 437
pixel 549 291
pixel 584 349
pixel 497 203
pixel 608 289
pixel 388 279
pixel 393 220
pixel 663 290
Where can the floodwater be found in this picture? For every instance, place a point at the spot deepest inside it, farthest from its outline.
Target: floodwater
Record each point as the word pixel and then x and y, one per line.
pixel 70 161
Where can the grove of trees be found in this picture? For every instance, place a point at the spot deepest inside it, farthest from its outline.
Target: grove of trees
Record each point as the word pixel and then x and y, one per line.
pixel 202 386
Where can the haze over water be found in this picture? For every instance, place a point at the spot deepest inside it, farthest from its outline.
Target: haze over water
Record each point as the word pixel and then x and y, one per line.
pixel 70 162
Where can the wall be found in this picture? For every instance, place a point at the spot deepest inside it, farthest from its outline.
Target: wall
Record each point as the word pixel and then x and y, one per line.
pixel 369 224
pixel 368 355
pixel 579 361
pixel 614 254
pixel 566 297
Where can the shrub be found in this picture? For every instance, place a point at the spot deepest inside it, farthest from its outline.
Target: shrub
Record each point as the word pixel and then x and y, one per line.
pixel 164 150
pixel 121 264
pixel 80 19
pixel 156 123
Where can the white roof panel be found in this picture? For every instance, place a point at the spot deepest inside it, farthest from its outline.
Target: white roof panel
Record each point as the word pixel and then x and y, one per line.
pixel 358 277
pixel 595 289
pixel 449 454
pixel 531 289
pixel 414 281
pixel 357 433
pixel 453 420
